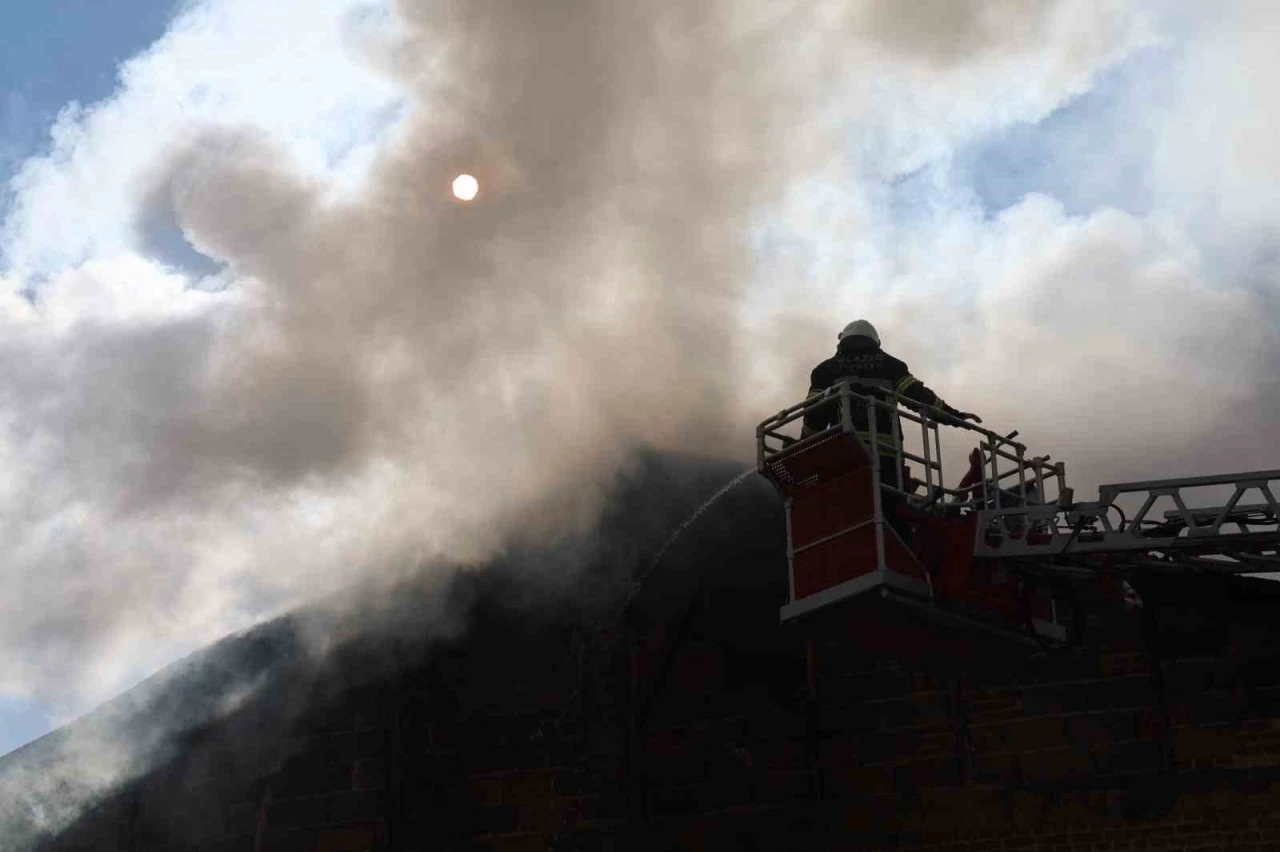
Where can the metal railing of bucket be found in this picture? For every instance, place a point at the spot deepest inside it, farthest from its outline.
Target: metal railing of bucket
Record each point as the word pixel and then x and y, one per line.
pixel 860 402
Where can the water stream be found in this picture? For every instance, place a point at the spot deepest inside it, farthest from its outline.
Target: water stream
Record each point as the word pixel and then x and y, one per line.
pixel 688 522
pixel 643 575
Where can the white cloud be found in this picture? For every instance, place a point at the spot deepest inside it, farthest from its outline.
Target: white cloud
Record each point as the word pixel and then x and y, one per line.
pixel 1216 158
pixel 294 71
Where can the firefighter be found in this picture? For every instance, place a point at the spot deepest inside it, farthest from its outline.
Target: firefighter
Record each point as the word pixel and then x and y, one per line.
pixel 859 356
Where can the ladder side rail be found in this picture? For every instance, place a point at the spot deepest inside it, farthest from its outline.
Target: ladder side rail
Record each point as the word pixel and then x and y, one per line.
pixel 1065 544
pixel 1172 488
pixel 1107 493
pixel 1119 539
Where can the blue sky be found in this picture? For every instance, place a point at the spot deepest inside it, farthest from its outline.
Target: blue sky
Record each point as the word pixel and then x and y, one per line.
pixel 53 53
pixel 1089 153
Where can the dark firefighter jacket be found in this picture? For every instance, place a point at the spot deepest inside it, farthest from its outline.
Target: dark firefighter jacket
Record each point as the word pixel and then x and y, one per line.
pixel 863 359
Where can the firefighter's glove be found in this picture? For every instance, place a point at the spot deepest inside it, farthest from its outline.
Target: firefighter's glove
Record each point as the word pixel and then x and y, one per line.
pixel 965 415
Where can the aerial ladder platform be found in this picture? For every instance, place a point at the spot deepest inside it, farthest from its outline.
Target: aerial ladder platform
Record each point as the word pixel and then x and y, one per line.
pixel 1006 547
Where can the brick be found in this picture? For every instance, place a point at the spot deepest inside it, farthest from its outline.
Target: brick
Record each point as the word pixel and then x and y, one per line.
pixel 1092 728
pixel 1132 691
pixel 850 717
pixel 687 766
pixel 299 813
pixel 1189 677
pixel 358 838
pixel 231 843
pixel 370 775
pixel 866 779
pixel 372 743
pixel 484 791
pixel 784 786
pixel 1215 708
pixel 337 748
pixel 1264 701
pixel 303 761
pixel 921 709
pixel 672 801
pixel 573 782
pixel 1196 746
pixel 994 767
pixel 990 738
pixel 1031 734
pixel 993 705
pixel 881 748
pixel 313 781
pixel 1055 764
pixel 295 840
pixel 930 772
pixel 883 684
pixel 1127 758
pixel 784 755
pixel 347 807
pixel 1123 662
pixel 1092 695
pixel 1043 700
pixel 241 818
pixel 492 819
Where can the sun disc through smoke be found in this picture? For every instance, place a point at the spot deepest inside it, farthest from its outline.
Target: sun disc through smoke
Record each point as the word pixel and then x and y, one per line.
pixel 465 187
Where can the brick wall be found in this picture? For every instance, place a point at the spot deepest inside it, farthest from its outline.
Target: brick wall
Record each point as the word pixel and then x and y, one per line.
pixel 708 726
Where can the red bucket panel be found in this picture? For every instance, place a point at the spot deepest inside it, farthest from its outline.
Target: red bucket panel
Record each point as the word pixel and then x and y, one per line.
pixel 811 466
pixel 835 562
pixel 831 508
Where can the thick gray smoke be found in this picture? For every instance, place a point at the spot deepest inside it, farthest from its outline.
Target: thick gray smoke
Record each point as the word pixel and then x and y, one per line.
pixel 395 376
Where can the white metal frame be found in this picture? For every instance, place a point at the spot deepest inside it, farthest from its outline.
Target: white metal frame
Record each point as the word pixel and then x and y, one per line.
pixel 994 447
pixel 1201 533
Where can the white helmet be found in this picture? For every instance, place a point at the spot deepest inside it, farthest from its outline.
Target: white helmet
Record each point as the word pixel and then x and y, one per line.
pixel 860 328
